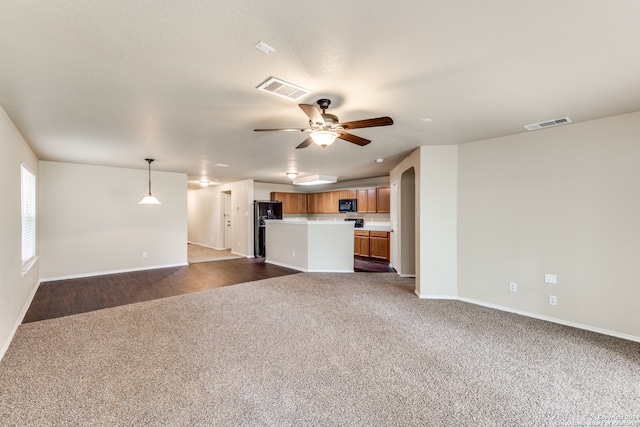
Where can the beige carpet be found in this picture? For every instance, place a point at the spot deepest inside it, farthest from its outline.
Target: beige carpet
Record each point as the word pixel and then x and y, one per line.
pixel 198 253
pixel 315 349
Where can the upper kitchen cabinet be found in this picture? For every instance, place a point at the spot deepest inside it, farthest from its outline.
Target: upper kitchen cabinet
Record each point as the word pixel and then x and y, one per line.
pixel 374 200
pixel 370 200
pixel 292 203
pixel 383 204
pixel 348 194
pixel 366 200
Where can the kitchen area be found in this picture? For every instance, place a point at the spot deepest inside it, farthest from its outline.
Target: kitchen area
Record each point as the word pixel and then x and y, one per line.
pixel 330 230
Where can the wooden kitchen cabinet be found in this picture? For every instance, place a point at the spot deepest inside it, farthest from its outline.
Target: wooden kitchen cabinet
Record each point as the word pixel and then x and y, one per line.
pixel 383 200
pixel 333 200
pixel 302 203
pixel 371 244
pixel 361 243
pixel 292 203
pixel 379 245
pixel 348 194
pixel 323 203
pixel 370 200
pixel 374 200
pixel 312 203
pixel 367 200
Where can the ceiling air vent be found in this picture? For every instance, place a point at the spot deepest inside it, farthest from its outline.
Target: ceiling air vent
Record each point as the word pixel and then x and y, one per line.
pixel 282 88
pixel 548 123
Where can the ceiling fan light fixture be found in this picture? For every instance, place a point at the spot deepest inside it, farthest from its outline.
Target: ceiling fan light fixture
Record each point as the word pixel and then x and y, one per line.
pixel 149 199
pixel 315 180
pixel 324 137
pixel 292 175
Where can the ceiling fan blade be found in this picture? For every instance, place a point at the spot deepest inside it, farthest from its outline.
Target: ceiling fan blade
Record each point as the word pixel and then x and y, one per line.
pixel 314 114
pixel 368 123
pixel 305 143
pixel 352 138
pixel 282 130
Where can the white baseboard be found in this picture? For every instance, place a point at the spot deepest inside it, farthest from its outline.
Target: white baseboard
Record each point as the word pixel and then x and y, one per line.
pixel 19 320
pixel 435 296
pixel 102 273
pixel 281 264
pixel 537 316
pixel 207 246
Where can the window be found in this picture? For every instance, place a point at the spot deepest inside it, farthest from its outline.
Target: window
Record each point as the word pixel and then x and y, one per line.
pixel 28 185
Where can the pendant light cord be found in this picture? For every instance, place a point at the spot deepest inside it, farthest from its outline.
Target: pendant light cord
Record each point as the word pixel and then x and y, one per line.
pixel 149 161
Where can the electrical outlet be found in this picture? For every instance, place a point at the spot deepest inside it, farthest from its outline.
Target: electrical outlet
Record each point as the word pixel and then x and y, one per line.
pixel 293 253
pixel 144 254
pixel 513 286
pixel 553 300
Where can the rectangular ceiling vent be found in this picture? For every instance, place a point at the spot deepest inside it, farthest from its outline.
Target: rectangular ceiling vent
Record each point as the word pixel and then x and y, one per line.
pixel 549 123
pixel 281 88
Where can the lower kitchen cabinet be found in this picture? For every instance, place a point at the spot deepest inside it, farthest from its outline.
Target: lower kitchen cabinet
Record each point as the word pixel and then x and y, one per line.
pixel 361 243
pixel 379 245
pixel 371 244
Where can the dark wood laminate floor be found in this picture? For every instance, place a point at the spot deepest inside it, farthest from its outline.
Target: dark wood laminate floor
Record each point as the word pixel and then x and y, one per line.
pixel 65 297
pixel 73 296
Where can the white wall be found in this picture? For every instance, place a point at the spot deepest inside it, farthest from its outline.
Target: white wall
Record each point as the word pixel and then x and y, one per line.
pixel 91 222
pixel 563 200
pixel 16 289
pixel 438 222
pixel 411 161
pixel 436 175
pixel 205 207
pixel 262 190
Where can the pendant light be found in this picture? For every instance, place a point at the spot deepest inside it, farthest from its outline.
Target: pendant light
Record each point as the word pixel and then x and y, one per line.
pixel 149 199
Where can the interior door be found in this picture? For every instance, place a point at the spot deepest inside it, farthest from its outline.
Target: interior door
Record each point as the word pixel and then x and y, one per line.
pixel 227 220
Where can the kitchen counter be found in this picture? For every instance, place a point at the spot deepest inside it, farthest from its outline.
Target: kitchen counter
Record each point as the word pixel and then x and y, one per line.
pixel 375 228
pixel 304 245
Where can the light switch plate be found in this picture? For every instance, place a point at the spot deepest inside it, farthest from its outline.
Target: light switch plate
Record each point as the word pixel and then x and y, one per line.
pixel 551 278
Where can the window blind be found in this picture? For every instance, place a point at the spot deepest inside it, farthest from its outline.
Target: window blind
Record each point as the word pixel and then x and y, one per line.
pixel 28 197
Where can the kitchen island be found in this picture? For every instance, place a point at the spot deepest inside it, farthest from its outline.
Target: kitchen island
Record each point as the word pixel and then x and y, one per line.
pixel 320 246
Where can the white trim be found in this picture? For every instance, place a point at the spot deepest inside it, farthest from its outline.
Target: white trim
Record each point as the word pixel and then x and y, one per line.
pixel 27 265
pixel 281 264
pixel 102 273
pixel 537 316
pixel 554 320
pixel 407 275
pixel 23 312
pixel 428 296
pixel 206 246
pixel 305 270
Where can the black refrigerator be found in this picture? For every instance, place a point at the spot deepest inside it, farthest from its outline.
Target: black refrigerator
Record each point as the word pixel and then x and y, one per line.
pixel 263 210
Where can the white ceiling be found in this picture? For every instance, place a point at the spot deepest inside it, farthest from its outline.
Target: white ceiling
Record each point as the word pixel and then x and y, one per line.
pixel 112 82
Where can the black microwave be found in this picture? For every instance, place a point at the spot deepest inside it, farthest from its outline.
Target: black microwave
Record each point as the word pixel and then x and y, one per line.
pixel 348 205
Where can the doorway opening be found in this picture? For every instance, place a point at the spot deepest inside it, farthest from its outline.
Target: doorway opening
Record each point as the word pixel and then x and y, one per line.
pixel 226 218
pixel 408 220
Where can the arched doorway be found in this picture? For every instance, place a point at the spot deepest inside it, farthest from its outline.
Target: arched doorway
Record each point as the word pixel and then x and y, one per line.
pixel 408 223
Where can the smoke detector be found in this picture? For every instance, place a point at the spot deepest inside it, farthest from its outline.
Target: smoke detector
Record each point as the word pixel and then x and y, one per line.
pixel 281 88
pixel 548 123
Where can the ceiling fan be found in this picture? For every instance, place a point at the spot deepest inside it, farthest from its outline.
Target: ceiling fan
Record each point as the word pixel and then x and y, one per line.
pixel 325 128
